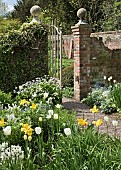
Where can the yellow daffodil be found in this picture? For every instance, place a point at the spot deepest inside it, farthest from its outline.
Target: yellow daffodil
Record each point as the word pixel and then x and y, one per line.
pixel 82 122
pixel 26 129
pixel 33 106
pixel 94 109
pixel 22 102
pixel 2 122
pixel 98 122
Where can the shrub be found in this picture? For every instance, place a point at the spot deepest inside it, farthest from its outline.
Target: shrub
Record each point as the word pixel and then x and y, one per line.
pixel 45 89
pixel 101 97
pixel 68 76
pixel 23 55
pixel 68 92
pixel 5 99
pixel 8 25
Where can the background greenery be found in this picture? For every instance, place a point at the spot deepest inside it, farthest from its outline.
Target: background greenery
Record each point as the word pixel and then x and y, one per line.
pixel 103 15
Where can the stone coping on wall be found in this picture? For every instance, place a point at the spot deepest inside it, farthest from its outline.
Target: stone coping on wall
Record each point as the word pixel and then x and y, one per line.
pixel 111 39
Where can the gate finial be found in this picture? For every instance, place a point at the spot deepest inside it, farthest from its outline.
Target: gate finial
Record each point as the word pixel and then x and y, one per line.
pixel 81 13
pixel 35 11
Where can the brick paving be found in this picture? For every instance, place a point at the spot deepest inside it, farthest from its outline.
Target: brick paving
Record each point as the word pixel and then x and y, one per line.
pixel 83 110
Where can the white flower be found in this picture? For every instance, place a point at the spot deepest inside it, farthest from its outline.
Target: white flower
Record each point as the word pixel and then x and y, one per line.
pixel 25 137
pixel 7 130
pixel 49 100
pixel 48 116
pixel 38 130
pixel 67 131
pixel 110 78
pixel 55 116
pixel 58 106
pixel 40 119
pixel 10 117
pixel 20 87
pixel 29 138
pixel 104 77
pixel 45 95
pixel 105 93
pixel 115 122
pixel 106 119
pixel 50 112
pixel 114 81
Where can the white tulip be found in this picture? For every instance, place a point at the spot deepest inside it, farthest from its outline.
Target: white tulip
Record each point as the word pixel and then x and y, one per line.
pixel 106 119
pixel 7 130
pixel 48 116
pixel 55 116
pixel 29 138
pixel 67 131
pixel 25 137
pixel 46 95
pixel 105 77
pixel 115 122
pixel 114 81
pixel 58 106
pixel 38 130
pixel 40 119
pixel 50 112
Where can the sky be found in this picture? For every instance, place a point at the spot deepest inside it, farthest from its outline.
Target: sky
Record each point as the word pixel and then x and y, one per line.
pixel 10 4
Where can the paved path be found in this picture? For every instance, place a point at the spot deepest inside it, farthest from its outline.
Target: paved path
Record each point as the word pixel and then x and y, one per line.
pixel 83 110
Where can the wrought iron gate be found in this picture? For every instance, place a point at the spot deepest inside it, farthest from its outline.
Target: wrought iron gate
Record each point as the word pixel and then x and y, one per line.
pixel 55 52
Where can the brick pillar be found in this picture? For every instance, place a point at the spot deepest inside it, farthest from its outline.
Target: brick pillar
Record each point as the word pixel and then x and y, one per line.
pixel 81 35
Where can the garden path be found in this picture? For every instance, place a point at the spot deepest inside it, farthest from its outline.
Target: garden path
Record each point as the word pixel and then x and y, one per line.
pixel 83 110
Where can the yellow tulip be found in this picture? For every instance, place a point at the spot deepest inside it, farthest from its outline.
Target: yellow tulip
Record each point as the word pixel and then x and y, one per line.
pixel 94 109
pixel 82 122
pixel 98 122
pixel 2 122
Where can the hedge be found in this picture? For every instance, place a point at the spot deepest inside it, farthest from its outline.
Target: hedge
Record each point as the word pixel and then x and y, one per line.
pixel 23 55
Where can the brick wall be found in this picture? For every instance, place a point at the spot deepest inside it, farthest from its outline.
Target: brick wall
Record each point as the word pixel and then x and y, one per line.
pixel 95 55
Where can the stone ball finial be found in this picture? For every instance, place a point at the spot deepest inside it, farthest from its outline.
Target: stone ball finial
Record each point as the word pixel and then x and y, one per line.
pixel 35 11
pixel 81 13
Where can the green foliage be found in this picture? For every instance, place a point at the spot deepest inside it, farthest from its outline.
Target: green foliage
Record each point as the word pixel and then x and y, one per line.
pixel 5 98
pixel 67 62
pixel 8 25
pixel 116 94
pixel 47 137
pixel 45 89
pixel 86 150
pixel 111 15
pixel 68 92
pixel 23 55
pixel 64 12
pixel 68 76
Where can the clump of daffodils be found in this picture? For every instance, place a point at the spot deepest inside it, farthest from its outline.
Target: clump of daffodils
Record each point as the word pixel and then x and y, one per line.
pixel 27 130
pixel 13 152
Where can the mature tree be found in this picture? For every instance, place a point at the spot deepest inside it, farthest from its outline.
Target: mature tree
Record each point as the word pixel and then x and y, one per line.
pixel 65 12
pixel 111 15
pixel 3 8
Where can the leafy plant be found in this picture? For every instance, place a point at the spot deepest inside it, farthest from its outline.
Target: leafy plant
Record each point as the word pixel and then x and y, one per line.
pixel 68 76
pixel 101 97
pixel 68 92
pixel 116 95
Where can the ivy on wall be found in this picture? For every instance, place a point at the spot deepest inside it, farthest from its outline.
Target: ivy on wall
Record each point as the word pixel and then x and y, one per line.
pixel 23 55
